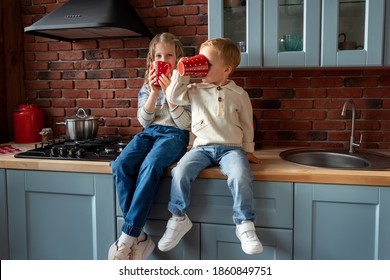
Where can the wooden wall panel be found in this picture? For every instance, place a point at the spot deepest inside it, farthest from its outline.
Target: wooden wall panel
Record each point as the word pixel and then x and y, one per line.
pixel 11 65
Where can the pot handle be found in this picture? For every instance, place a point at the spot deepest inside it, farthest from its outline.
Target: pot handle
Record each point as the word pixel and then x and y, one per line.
pixel 101 121
pixel 61 123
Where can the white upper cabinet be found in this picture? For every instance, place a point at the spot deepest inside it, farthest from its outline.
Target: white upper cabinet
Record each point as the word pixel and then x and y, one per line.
pixel 240 21
pixel 352 32
pixel 303 33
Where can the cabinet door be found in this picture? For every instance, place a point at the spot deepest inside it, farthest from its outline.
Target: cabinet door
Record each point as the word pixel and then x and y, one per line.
pixel 59 215
pixel 3 217
pixel 291 32
pixel 219 242
pixel 242 23
pixel 387 35
pixel 341 222
pixel 352 32
pixel 384 224
pixel 187 249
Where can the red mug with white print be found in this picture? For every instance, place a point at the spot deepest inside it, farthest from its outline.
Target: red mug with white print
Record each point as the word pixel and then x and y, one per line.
pixel 161 67
pixel 196 66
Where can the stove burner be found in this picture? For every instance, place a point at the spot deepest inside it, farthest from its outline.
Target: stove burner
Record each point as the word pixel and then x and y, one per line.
pixel 99 149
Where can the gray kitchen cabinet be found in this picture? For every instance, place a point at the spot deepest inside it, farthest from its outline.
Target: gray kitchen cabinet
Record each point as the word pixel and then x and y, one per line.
pixel 242 23
pixel 60 215
pixel 296 19
pixel 211 213
pixel 341 222
pixel 3 217
pixel 387 34
pixel 317 28
pixel 219 242
pixel 360 23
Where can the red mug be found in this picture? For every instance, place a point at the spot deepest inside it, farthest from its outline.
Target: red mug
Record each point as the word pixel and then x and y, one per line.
pixel 197 66
pixel 161 67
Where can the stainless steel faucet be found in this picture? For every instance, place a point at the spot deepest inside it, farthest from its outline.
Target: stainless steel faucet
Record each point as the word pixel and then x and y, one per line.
pixel 352 143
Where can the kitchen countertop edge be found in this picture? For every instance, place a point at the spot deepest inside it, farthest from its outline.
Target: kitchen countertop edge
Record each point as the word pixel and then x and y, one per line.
pixel 272 168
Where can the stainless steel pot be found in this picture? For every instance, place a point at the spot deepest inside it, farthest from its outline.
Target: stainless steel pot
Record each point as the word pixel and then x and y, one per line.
pixel 81 126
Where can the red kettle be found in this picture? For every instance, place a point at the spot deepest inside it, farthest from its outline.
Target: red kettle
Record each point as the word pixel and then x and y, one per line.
pixel 28 122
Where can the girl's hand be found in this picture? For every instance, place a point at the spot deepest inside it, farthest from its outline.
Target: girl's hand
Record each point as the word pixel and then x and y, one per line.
pixel 164 82
pixel 152 79
pixel 252 159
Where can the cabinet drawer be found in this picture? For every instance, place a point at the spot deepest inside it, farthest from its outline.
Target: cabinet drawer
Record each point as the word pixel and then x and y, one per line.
pixel 211 202
pixel 219 242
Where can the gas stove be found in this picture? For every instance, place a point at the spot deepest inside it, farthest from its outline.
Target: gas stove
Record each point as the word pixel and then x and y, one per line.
pixel 99 149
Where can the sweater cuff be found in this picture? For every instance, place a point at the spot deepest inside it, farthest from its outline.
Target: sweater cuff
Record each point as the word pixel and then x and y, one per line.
pixel 147 116
pixel 176 112
pixel 249 147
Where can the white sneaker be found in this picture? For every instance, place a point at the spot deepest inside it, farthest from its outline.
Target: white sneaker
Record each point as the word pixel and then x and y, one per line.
pixel 250 243
pixel 176 229
pixel 141 250
pixel 121 252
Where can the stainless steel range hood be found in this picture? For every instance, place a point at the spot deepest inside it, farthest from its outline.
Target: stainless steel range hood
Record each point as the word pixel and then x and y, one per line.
pixel 90 19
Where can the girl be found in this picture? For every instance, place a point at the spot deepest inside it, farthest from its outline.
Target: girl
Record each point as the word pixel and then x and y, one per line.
pixel 142 164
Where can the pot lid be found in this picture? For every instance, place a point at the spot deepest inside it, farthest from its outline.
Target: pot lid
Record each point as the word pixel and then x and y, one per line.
pixel 81 115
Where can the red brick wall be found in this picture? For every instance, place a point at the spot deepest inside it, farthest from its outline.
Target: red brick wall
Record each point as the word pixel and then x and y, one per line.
pixel 297 107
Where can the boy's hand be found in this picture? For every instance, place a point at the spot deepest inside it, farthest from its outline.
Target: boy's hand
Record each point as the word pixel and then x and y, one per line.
pixel 252 159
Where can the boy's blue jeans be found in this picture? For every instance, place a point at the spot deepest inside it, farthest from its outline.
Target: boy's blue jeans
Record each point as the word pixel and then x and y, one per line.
pixel 233 163
pixel 139 168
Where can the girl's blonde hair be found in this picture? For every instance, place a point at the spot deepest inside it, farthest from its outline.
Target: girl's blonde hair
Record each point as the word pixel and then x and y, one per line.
pixel 166 38
pixel 227 50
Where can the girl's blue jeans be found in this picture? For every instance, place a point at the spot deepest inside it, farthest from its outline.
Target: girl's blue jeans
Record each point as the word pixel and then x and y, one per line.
pixel 233 163
pixel 139 168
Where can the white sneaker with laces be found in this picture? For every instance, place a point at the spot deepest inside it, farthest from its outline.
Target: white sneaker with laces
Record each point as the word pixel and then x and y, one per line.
pixel 119 252
pixel 174 232
pixel 250 243
pixel 141 250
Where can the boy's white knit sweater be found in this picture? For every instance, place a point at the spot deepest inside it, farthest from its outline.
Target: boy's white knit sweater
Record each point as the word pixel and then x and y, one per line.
pixel 220 115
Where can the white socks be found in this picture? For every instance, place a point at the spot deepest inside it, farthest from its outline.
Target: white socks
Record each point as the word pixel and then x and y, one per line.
pixel 129 240
pixel 178 218
pixel 142 236
pixel 126 239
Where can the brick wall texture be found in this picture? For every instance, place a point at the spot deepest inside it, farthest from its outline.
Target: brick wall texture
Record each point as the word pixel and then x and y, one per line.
pixel 293 107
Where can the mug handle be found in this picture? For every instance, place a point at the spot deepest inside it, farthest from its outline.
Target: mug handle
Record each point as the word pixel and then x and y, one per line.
pixel 167 69
pixel 343 35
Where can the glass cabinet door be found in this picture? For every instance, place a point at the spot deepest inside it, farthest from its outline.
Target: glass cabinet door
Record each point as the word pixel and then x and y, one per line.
pixel 240 21
pixel 292 32
pixel 352 32
pixel 387 35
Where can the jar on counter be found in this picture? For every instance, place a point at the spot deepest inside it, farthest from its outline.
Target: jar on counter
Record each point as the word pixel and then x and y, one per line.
pixel 47 134
pixel 28 121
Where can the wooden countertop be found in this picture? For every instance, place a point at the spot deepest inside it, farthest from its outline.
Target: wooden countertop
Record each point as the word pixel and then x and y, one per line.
pixel 272 168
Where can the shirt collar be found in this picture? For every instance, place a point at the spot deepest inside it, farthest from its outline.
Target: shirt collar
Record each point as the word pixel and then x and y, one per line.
pixel 231 85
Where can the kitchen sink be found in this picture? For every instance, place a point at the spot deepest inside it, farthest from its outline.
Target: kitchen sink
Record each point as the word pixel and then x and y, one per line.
pixel 340 159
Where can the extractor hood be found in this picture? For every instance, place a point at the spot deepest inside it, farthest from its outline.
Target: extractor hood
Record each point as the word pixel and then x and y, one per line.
pixel 90 19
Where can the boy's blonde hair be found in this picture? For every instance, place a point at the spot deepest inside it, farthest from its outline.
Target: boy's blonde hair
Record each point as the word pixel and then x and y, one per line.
pixel 227 50
pixel 166 38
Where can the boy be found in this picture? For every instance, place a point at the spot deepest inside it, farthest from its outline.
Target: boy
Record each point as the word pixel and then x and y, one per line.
pixel 222 121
